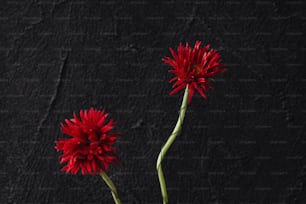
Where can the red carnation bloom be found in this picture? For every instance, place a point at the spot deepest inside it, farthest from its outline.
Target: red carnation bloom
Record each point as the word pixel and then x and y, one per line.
pixel 195 67
pixel 90 147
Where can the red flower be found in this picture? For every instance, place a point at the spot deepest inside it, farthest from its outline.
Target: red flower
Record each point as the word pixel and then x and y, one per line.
pixel 195 67
pixel 89 148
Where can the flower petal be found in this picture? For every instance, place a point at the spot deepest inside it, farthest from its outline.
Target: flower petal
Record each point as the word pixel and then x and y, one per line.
pixel 177 89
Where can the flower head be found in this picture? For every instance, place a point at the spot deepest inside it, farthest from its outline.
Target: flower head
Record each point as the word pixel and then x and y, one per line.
pixel 194 67
pixel 89 148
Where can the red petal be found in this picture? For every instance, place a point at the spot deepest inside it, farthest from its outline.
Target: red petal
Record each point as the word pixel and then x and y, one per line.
pixel 177 89
pixel 173 53
pixel 177 83
pixel 200 90
pixel 108 126
pixel 170 61
pixel 102 120
pixel 191 92
pixel 173 79
pixel 115 135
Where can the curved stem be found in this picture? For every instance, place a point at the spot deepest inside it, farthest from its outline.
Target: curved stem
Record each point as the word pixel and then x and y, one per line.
pixel 169 142
pixel 112 187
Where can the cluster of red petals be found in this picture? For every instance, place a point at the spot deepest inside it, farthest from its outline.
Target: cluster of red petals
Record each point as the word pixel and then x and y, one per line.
pixel 90 146
pixel 194 67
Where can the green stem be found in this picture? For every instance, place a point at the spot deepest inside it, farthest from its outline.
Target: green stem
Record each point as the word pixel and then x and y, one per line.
pixel 112 187
pixel 169 142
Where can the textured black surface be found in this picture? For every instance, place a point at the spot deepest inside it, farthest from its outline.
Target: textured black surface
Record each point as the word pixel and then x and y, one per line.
pixel 245 144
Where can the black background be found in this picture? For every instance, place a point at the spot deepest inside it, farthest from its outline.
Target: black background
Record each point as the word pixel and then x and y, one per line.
pixel 245 144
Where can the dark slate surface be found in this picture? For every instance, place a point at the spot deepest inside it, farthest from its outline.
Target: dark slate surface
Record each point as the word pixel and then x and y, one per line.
pixel 245 144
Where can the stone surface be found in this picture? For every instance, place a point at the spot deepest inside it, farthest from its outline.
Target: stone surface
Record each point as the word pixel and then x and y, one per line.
pixel 245 144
